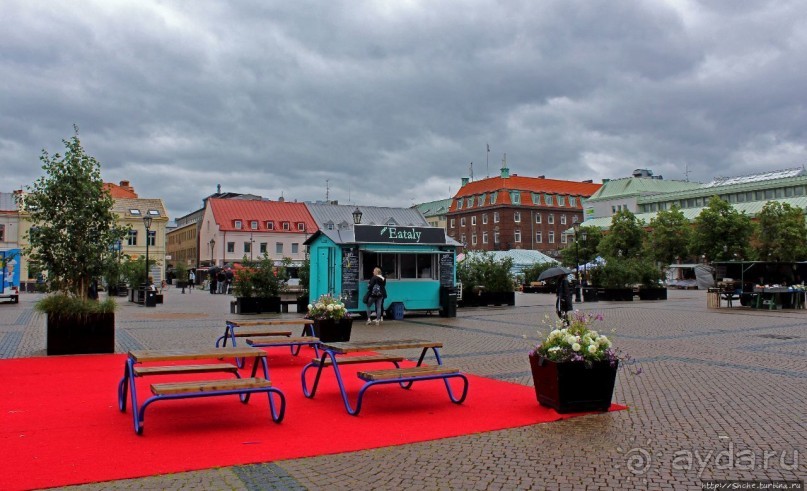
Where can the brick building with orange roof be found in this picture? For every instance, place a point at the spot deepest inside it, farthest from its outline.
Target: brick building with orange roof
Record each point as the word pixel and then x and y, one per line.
pixel 515 212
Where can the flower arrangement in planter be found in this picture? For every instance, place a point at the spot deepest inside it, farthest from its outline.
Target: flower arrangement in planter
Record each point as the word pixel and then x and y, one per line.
pixel 332 322
pixel 574 368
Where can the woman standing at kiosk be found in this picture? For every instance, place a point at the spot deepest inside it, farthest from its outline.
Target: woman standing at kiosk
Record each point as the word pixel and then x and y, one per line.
pixel 376 293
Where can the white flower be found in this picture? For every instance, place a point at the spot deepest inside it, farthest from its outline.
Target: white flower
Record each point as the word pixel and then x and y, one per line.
pixel 592 348
pixel 310 306
pixel 571 339
pixel 576 347
pixel 554 348
pixel 330 308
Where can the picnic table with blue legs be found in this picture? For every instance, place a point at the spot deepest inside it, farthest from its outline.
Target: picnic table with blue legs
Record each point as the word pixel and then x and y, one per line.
pixel 405 377
pixel 265 334
pixel 243 387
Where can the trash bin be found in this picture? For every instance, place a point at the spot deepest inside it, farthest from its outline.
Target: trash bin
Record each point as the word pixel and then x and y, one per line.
pixel 448 301
pixel 713 298
pixel 397 311
pixel 151 298
pixel 590 294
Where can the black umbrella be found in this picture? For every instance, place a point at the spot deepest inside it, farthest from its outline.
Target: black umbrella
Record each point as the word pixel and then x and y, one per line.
pixel 554 271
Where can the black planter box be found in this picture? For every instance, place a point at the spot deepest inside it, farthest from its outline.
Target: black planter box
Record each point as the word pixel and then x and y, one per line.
pixel 615 294
pixel 74 334
pixel 471 299
pixel 332 331
pixel 590 295
pixel 302 304
pixel 257 305
pixel 572 387
pixel 652 294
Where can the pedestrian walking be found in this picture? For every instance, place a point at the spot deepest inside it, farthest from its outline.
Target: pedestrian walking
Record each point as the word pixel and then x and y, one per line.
pixel 563 304
pixel 191 280
pixel 221 280
pixel 374 298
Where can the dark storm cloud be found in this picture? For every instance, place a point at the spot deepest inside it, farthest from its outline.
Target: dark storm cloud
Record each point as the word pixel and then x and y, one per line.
pixel 389 102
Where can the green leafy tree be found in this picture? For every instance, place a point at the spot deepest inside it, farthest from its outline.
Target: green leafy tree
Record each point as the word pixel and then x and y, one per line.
pixel 483 269
pixel 625 236
pixel 585 250
pixel 669 236
pixel 134 270
pixel 781 233
pixel 721 232
pixel 73 225
pixel 533 271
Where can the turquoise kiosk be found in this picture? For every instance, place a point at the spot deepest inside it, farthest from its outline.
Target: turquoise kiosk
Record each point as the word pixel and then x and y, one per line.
pixel 418 262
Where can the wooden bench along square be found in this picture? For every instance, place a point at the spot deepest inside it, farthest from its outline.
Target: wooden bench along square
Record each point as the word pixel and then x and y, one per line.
pixel 243 387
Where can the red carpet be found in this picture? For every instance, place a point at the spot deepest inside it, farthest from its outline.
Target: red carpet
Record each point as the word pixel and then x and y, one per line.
pixel 60 425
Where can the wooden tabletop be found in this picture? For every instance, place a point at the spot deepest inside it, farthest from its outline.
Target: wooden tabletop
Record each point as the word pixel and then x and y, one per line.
pixel 270 322
pixel 381 345
pixel 190 354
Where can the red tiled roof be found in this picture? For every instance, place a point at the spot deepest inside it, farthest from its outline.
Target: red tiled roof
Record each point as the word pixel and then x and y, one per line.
pixel 227 211
pixel 119 192
pixel 525 185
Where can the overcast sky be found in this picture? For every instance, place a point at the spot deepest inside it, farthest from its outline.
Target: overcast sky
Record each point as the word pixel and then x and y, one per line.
pixel 388 102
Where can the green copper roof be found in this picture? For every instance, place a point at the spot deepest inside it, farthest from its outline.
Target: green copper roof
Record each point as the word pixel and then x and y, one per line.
pixel 632 186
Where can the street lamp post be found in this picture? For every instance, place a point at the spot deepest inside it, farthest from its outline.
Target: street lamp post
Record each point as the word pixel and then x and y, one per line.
pixel 212 246
pixel 577 288
pixel 147 224
pixel 251 245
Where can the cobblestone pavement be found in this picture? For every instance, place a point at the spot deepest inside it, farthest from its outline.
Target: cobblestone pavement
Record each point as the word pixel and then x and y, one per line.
pixel 722 396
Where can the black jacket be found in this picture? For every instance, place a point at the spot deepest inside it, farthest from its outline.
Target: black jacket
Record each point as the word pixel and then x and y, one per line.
pixel 379 280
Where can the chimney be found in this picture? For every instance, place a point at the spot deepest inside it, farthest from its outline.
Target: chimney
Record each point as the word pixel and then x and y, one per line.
pixel 539 177
pixel 464 181
pixel 126 186
pixel 588 181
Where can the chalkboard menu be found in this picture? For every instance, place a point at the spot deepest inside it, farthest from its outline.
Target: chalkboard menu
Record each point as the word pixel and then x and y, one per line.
pixel 350 278
pixel 447 269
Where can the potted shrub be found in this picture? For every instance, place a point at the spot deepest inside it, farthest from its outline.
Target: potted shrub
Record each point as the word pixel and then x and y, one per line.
pixel 650 287
pixel 257 286
pixel 332 322
pixel 614 280
pixel 72 236
pixel 181 275
pixel 486 280
pixel 574 368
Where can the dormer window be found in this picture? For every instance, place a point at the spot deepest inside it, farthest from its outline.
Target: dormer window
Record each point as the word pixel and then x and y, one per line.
pixel 134 212
pixel 237 224
pixel 270 225
pixel 286 226
pixel 154 213
pixel 301 226
pixel 253 225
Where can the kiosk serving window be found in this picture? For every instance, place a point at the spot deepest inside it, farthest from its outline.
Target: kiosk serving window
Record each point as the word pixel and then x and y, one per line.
pixel 398 265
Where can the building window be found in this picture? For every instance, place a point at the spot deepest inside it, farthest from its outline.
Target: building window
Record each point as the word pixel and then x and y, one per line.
pixel 551 237
pixel 537 218
pixel 548 199
pixel 237 224
pixel 286 226
pixel 517 235
pixel 572 201
pixel 462 222
pixel 2 233
pixel 469 202
pixel 452 223
pixel 459 203
pixel 132 239
pixel 247 247
pixel 495 217
pixel 536 198
pixel 561 201
pixel 270 225
pixel 134 212
pixel 253 224
pixel 484 219
pixel 515 197
pixel 301 227
pixel 263 247
pixel 539 237
pixel 574 218
pixel 278 247
pixel 551 219
pixel 329 226
pixel 484 237
pixel 493 196
pixel 462 240
pixel 495 237
pixel 473 220
pixel 563 219
pixel 480 200
pixel 473 239
pixel 230 246
pixel 563 238
pixel 517 216
pixel 613 209
pixel 295 247
pixel 152 238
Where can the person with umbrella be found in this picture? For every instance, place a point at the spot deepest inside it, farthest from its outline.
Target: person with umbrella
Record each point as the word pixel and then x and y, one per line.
pixel 563 302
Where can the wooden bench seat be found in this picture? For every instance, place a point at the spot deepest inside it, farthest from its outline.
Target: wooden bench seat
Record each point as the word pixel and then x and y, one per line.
pixel 406 373
pixel 259 332
pixel 270 341
pixel 140 371
pixel 209 386
pixel 347 360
